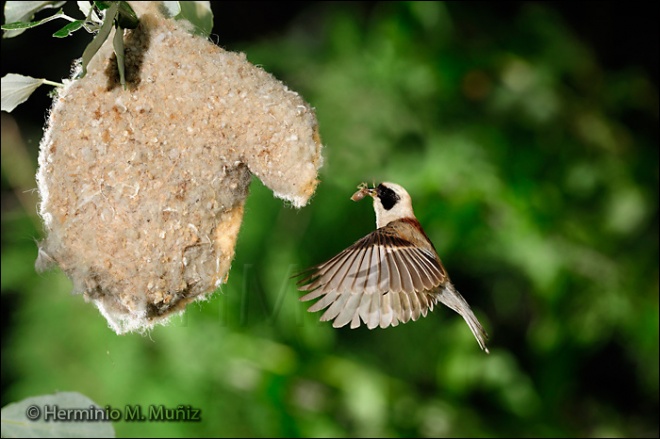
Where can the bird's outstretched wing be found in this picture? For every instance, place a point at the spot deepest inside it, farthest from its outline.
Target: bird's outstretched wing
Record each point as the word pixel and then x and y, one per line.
pixel 382 280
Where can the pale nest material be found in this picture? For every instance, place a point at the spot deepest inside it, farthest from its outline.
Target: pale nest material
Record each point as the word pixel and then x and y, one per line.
pixel 142 190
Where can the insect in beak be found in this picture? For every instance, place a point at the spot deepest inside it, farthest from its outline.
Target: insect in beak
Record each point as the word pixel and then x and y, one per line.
pixel 363 191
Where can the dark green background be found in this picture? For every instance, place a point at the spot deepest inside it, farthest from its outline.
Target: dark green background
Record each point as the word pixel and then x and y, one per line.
pixel 527 135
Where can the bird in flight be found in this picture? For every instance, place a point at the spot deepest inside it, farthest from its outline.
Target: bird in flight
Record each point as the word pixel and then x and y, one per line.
pixel 391 276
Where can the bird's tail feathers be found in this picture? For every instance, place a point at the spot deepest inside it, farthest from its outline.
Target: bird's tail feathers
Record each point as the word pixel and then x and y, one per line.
pixel 453 299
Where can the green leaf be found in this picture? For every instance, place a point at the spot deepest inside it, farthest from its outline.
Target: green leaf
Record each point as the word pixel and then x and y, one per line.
pixel 85 7
pixel 102 6
pixel 127 17
pixel 199 14
pixel 69 29
pixel 170 9
pixel 19 25
pixel 27 418
pixel 24 12
pixel 89 12
pixel 22 25
pixel 16 89
pixel 100 38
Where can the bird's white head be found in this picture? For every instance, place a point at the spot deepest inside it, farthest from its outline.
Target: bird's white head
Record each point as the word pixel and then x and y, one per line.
pixel 391 202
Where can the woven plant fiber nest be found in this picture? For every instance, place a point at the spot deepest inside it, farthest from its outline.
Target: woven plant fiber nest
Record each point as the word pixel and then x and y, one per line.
pixel 142 189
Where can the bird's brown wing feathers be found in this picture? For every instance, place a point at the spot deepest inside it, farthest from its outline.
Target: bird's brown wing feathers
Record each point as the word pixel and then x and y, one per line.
pixel 382 280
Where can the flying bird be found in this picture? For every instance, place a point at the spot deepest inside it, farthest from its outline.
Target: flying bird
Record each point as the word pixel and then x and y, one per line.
pixel 391 276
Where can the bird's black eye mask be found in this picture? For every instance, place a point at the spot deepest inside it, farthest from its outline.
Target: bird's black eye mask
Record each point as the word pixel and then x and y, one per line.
pixel 388 197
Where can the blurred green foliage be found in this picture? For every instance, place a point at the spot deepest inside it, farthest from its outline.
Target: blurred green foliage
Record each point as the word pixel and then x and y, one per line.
pixel 533 170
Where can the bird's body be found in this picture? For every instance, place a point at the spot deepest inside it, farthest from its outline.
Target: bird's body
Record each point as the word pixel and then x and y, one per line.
pixel 392 275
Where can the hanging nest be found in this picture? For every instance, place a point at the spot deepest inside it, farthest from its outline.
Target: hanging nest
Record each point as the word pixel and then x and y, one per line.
pixel 142 189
